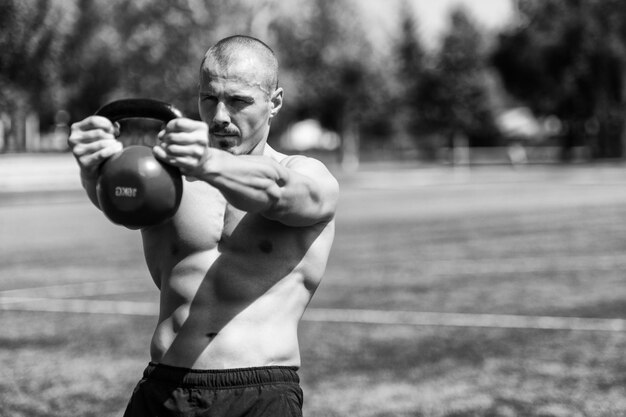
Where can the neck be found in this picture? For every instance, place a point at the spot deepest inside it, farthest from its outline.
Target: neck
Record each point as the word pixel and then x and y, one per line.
pixel 260 148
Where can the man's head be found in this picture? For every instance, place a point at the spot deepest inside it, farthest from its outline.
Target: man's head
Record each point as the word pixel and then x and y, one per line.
pixel 239 93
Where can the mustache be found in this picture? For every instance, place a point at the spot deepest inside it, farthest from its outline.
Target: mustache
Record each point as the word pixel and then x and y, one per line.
pixel 223 130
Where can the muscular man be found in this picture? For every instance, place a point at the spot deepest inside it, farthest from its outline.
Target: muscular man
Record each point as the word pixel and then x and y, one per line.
pixel 239 262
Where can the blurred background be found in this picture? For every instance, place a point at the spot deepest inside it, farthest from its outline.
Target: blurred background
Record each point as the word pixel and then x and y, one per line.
pixel 511 80
pixel 478 264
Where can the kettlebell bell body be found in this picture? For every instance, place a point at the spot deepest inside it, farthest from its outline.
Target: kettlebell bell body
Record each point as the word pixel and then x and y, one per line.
pixel 135 189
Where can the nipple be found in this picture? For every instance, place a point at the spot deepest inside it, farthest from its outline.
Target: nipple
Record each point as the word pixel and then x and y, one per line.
pixel 266 246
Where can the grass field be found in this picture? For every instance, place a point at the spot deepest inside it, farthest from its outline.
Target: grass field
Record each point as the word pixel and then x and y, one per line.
pixel 538 242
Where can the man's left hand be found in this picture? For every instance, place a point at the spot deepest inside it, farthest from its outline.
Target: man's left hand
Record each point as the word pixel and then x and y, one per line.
pixel 184 143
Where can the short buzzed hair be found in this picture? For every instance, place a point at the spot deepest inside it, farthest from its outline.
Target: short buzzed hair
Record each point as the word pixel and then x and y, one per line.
pixel 228 49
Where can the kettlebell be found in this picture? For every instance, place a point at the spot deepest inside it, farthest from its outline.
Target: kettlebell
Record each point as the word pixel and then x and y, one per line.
pixel 135 189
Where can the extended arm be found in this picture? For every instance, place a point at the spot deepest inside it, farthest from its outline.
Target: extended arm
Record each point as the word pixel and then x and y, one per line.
pixel 298 191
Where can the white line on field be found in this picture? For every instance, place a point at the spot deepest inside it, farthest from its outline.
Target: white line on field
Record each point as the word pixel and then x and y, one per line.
pixel 84 289
pixel 504 321
pixel 75 305
pixel 330 315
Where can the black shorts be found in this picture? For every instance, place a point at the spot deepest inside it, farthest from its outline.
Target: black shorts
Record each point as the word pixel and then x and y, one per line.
pixel 171 391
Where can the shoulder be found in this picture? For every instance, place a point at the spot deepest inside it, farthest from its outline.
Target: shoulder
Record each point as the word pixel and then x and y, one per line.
pixel 304 165
pixel 298 162
pixel 310 167
pixel 301 161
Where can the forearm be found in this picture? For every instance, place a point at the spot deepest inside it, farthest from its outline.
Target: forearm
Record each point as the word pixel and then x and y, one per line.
pixel 250 183
pixel 259 184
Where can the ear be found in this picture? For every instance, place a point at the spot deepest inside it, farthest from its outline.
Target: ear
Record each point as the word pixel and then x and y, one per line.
pixel 276 102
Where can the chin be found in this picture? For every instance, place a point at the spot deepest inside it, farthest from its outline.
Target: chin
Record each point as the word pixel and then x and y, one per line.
pixel 223 145
pixel 233 150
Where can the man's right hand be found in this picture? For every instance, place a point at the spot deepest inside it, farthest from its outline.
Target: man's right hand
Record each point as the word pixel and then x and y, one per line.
pixel 92 141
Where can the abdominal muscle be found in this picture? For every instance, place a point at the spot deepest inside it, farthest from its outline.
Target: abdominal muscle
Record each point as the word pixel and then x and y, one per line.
pixel 199 329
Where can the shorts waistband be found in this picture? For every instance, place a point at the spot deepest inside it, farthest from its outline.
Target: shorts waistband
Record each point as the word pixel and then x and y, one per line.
pixel 221 378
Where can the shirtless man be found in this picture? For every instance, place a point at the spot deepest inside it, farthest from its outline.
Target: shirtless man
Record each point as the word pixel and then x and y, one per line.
pixel 239 262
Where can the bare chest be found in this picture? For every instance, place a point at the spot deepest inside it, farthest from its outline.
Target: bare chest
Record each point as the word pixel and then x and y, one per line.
pixel 253 234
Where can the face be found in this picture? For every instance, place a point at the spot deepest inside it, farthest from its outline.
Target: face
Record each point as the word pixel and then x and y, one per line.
pixel 236 106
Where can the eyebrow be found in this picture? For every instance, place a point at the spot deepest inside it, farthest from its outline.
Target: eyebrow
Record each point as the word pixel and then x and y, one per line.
pixel 238 95
pixel 243 97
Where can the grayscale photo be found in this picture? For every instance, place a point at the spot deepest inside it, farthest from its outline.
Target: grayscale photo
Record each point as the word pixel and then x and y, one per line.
pixel 319 208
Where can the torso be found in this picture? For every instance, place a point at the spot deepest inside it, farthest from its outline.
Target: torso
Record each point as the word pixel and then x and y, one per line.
pixel 234 285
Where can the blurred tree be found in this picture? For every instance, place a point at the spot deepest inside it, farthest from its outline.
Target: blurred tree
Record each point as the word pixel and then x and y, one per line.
pixel 93 58
pixel 412 65
pixel 33 34
pixel 453 95
pixel 149 48
pixel 409 48
pixel 567 59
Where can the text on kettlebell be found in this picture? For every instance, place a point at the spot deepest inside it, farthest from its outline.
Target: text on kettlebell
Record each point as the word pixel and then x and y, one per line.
pixel 125 192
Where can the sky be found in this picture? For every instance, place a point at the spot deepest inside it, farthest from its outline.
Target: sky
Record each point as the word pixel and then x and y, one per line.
pixel 432 15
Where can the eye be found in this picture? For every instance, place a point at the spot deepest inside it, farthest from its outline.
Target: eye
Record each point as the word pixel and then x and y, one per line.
pixel 209 99
pixel 242 101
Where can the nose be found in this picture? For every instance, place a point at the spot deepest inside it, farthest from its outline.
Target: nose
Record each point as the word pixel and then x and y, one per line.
pixel 221 117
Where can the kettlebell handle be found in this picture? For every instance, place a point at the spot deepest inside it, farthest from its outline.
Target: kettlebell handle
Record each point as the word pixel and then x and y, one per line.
pixel 139 108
